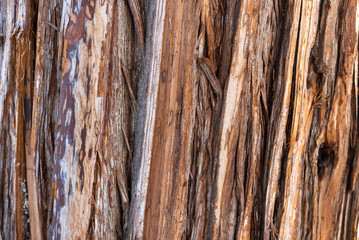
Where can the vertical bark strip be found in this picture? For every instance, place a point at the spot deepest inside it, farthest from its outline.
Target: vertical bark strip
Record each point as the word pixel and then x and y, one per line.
pixel 302 117
pixel 338 131
pixel 279 115
pixel 16 85
pixel 39 163
pixel 7 166
pixel 137 226
pixel 85 72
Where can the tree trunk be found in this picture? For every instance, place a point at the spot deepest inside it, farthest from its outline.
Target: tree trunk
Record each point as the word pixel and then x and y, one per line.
pixel 159 119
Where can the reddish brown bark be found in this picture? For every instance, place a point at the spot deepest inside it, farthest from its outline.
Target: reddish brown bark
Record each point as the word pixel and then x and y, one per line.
pixel 158 119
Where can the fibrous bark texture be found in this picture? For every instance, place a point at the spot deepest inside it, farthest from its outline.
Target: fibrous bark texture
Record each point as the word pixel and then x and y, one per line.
pixel 164 119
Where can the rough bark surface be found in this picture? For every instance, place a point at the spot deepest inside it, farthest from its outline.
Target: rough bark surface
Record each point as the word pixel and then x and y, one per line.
pixel 162 119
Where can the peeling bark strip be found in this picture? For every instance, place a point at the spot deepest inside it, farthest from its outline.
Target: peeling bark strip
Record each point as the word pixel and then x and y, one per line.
pixel 302 117
pixel 208 69
pixel 7 166
pixel 85 70
pixel 136 227
pixel 15 116
pixel 280 115
pixel 197 119
pixel 41 121
pixel 136 13
pixel 231 122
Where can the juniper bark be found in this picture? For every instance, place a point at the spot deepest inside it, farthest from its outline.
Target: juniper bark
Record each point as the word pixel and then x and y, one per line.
pixel 159 119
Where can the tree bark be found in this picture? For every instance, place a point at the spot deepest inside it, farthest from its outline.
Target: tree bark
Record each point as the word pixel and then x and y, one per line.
pixel 159 119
